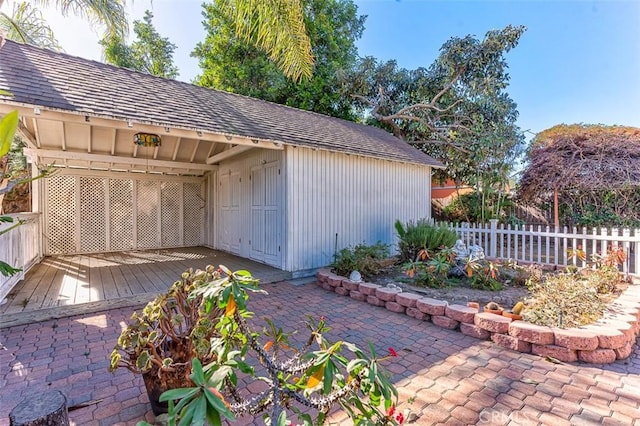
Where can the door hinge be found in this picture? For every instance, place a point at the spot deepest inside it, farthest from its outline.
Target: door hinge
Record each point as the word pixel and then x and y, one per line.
pixel 278 248
pixel 249 242
pixel 278 171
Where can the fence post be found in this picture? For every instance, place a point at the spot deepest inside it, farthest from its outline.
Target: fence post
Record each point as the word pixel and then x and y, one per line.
pixel 493 238
pixel 636 248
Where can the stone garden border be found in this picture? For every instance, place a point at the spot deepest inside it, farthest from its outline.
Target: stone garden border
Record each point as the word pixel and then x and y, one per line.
pixel 609 339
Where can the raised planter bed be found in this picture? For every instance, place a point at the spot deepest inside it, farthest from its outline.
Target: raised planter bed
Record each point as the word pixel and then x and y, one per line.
pixel 607 340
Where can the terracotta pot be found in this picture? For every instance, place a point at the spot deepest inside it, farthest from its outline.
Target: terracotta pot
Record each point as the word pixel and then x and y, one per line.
pixel 494 311
pixel 511 315
pixel 473 305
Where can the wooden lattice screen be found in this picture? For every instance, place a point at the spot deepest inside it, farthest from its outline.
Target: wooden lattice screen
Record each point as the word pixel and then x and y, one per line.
pixel 100 214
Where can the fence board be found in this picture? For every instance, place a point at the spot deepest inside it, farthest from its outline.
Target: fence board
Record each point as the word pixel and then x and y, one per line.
pixel 550 247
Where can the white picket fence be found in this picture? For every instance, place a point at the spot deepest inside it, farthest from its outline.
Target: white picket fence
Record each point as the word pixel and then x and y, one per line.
pixel 547 246
pixel 20 248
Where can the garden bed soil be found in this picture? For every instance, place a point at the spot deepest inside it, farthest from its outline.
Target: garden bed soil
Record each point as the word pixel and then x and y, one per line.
pixel 459 294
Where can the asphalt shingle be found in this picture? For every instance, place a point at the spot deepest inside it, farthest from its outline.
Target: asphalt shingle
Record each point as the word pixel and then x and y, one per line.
pixel 59 81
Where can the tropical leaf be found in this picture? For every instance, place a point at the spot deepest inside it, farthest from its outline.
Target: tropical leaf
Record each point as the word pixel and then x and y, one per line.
pixel 277 27
pixel 110 13
pixel 8 127
pixel 27 25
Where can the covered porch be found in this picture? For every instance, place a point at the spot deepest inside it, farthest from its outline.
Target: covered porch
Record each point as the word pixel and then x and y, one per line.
pixel 61 286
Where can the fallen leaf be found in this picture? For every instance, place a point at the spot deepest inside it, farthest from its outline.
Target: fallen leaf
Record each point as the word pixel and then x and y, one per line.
pixel 553 360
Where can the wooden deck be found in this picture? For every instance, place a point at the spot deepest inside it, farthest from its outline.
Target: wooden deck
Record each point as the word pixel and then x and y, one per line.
pixel 68 285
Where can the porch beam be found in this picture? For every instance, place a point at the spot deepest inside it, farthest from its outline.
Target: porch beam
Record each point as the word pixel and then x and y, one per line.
pixel 123 124
pixel 224 155
pixel 195 149
pixel 35 131
pixel 83 156
pixel 176 148
pixel 27 135
pixel 113 141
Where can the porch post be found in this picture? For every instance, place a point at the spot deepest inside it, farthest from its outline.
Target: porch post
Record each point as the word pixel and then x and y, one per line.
pixel 36 200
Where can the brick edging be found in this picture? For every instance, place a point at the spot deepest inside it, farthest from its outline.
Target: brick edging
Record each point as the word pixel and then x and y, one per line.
pixel 609 339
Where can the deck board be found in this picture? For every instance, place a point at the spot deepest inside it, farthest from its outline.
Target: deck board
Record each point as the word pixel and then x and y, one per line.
pixel 61 285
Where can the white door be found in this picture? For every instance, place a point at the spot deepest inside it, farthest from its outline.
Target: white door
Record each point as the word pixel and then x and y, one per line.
pixel 229 201
pixel 265 241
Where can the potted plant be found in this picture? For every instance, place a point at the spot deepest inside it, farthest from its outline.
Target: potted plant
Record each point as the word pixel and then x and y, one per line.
pixel 172 330
pixel 303 379
pixel 493 308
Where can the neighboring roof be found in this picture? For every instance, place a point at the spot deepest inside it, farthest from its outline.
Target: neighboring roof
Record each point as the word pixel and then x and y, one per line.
pixel 58 81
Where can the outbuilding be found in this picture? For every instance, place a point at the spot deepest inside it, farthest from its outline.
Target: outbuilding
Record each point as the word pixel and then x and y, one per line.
pixel 143 162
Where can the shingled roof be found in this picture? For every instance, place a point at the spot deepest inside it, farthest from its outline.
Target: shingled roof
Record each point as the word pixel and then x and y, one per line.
pixel 59 81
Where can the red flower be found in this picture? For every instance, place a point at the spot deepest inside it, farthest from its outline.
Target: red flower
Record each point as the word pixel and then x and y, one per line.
pixel 392 411
pixel 392 351
pixel 400 418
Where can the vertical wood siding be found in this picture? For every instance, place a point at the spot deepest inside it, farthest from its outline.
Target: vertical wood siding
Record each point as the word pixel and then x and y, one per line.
pixel 356 198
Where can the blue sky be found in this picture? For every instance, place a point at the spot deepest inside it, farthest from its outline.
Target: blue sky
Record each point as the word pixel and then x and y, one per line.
pixel 579 61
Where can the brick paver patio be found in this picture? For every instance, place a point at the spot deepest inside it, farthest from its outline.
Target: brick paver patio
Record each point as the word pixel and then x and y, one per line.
pixel 443 376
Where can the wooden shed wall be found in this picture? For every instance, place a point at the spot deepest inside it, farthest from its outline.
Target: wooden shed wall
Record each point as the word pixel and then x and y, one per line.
pixel 248 218
pixel 356 198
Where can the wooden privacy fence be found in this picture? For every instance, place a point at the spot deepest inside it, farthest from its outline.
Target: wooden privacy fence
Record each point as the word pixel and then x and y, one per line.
pixel 20 248
pixel 547 245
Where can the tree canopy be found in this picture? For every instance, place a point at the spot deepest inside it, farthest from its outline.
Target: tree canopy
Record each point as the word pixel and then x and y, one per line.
pixel 593 169
pixel 230 63
pixel 457 109
pixel 150 52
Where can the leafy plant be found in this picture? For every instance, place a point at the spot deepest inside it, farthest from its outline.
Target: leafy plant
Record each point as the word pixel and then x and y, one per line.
pixel 368 260
pixel 422 236
pixel 170 332
pixel 485 278
pixel 315 376
pixel 432 272
pixel 8 127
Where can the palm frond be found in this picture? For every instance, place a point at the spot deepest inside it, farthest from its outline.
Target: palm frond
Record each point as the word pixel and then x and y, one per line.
pixel 110 13
pixel 277 27
pixel 27 25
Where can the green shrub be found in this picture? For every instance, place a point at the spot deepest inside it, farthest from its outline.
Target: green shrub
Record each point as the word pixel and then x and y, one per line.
pixel 484 281
pixel 414 237
pixel 430 273
pixel 362 258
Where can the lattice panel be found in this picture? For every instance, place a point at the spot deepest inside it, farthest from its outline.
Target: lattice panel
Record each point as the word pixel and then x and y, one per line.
pixel 147 204
pixel 92 215
pixel 170 211
pixel 120 214
pixel 60 214
pixel 193 210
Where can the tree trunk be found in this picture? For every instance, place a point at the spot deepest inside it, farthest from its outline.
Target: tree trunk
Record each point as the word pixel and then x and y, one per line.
pixel 41 409
pixel 556 219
